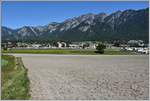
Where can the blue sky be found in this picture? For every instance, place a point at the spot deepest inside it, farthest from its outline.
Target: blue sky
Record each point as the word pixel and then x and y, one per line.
pixel 18 14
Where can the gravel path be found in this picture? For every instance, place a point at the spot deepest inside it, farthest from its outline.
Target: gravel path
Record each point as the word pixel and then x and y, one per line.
pixel 73 77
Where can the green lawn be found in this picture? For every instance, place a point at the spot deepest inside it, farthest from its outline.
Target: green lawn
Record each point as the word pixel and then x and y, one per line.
pixel 65 51
pixel 117 52
pixel 15 83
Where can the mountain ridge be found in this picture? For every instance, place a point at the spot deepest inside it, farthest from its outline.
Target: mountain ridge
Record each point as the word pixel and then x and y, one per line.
pixel 120 25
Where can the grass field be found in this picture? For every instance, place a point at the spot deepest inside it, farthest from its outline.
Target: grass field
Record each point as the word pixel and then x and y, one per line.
pixel 65 51
pixel 15 83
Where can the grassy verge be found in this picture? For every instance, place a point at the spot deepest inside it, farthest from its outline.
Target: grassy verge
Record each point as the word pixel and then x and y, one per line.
pixel 65 51
pixel 117 52
pixel 15 83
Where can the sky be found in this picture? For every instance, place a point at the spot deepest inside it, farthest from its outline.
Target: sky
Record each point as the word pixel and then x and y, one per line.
pixel 18 14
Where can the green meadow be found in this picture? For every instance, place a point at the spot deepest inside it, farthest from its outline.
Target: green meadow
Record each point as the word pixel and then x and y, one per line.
pixel 15 83
pixel 67 51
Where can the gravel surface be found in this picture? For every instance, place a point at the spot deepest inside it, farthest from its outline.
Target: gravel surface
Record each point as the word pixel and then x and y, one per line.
pixel 87 77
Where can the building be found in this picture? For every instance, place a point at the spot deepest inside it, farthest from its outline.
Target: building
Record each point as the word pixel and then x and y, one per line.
pixel 61 44
pixel 36 45
pixel 136 43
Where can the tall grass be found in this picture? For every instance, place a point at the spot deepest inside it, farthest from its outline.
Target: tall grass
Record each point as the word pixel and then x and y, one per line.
pixel 15 82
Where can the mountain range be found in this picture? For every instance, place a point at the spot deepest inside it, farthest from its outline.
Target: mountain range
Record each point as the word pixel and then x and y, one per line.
pixel 120 25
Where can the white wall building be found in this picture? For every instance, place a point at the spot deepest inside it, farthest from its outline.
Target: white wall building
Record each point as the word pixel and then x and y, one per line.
pixel 36 45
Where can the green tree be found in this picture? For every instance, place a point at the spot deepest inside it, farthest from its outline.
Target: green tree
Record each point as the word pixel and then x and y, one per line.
pixel 117 44
pixel 5 47
pixel 85 45
pixel 100 48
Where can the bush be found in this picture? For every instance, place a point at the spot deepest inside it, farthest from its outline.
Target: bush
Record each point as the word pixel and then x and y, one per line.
pixel 100 48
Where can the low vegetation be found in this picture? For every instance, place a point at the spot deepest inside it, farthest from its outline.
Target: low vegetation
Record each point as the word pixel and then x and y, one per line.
pixel 117 52
pixel 15 83
pixel 65 51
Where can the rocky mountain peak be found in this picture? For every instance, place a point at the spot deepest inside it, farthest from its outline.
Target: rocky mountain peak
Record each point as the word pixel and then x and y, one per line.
pixel 94 26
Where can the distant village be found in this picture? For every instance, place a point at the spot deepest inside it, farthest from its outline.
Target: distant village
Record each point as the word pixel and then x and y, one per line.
pixel 132 45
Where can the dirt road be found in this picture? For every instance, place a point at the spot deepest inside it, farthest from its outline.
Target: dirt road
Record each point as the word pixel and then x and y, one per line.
pixel 89 77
